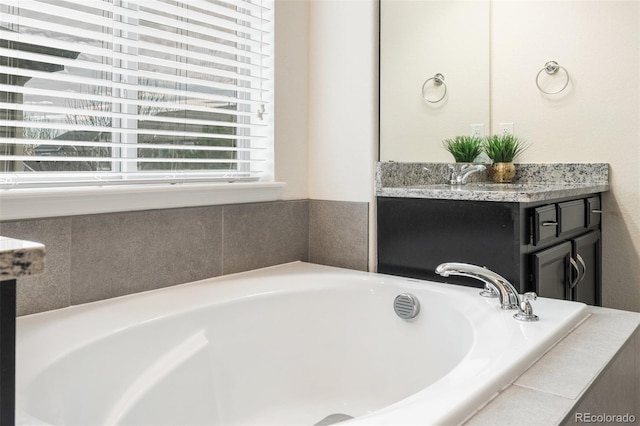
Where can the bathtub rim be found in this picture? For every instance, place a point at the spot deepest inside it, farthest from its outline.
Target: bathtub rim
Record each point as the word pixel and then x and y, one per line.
pixel 409 404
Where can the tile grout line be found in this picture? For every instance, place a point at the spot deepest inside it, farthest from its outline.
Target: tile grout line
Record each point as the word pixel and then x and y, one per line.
pixel 222 240
pixel 69 281
pixel 309 230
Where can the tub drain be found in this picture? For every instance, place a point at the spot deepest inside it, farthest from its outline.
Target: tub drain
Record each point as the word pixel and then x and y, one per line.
pixel 333 419
pixel 406 305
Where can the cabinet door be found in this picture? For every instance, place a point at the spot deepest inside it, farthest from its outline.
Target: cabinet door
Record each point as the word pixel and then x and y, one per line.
pixel 551 273
pixel 586 250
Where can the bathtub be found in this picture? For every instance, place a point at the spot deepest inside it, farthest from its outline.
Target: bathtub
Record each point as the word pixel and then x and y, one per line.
pixel 295 344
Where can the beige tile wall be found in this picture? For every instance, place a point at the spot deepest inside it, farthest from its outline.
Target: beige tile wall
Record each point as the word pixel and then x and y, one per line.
pixel 94 257
pixel 338 234
pixel 265 234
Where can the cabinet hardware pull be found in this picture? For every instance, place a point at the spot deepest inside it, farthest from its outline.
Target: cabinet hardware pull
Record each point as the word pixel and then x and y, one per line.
pixel 584 267
pixel 577 279
pixel 549 224
pixel 596 211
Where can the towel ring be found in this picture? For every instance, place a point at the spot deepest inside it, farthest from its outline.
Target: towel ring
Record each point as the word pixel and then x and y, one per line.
pixel 551 68
pixel 438 80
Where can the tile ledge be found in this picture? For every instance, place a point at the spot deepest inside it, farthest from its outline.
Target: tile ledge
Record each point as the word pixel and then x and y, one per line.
pixel 503 406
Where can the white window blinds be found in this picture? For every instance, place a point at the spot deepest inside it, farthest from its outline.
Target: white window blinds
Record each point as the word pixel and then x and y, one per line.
pixel 124 91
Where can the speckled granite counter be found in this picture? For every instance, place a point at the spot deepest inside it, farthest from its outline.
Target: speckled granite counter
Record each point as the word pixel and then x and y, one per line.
pixel 532 183
pixel 20 258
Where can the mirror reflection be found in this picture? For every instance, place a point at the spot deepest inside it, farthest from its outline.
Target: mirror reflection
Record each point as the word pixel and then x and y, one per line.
pixel 422 43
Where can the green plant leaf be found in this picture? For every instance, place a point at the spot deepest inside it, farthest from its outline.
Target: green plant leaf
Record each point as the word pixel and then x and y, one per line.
pixel 464 149
pixel 503 148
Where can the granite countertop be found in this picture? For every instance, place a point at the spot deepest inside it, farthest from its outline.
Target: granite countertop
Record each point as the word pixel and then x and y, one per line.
pixel 533 182
pixel 20 258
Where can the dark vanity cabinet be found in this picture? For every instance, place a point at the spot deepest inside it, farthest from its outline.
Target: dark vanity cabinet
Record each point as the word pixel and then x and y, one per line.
pixel 551 247
pixel 570 265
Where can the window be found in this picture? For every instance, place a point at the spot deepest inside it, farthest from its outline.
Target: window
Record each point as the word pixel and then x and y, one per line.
pixel 135 91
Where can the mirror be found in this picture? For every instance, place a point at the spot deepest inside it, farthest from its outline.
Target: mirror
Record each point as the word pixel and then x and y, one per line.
pixel 419 39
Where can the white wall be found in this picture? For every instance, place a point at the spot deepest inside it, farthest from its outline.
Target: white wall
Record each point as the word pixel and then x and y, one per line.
pixel 596 119
pixel 343 104
pixel 326 98
pixel 327 101
pixel 292 97
pixel 343 99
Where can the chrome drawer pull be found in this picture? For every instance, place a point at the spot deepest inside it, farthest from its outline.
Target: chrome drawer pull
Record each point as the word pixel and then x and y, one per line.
pixel 549 223
pixel 596 211
pixel 575 266
pixel 584 267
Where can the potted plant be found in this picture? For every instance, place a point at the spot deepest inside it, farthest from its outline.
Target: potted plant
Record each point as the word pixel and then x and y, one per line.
pixel 464 149
pixel 502 150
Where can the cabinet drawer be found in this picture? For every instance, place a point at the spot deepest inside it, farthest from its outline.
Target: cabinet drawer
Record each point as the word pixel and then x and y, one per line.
pixel 545 224
pixel 571 217
pixel 594 212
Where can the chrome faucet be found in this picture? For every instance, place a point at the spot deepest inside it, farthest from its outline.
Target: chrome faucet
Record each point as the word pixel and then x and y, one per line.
pixel 461 177
pixel 494 283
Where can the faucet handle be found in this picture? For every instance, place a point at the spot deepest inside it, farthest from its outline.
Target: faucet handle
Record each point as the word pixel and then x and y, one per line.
pixel 525 311
pixel 453 174
pixel 488 291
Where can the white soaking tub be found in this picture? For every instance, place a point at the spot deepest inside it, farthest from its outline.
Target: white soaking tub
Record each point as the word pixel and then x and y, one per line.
pixel 296 344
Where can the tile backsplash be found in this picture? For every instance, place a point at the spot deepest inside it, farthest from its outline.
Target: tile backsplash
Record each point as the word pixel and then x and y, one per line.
pixel 94 257
pixel 337 235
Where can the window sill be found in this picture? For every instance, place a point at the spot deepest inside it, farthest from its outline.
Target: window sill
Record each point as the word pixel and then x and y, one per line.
pixel 31 203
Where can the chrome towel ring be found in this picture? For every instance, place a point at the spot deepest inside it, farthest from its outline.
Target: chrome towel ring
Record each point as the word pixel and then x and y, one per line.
pixel 551 68
pixel 438 80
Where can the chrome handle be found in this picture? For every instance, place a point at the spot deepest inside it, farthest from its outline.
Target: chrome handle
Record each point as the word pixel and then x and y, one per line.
pixel 575 266
pixel 584 267
pixel 453 175
pixel 596 211
pixel 488 291
pixel 525 313
pixel 549 223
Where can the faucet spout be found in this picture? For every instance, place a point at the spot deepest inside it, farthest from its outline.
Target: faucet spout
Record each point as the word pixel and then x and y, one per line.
pixel 507 294
pixel 461 177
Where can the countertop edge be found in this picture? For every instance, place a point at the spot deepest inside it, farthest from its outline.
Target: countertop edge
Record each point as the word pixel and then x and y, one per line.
pixel 19 258
pixel 524 195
